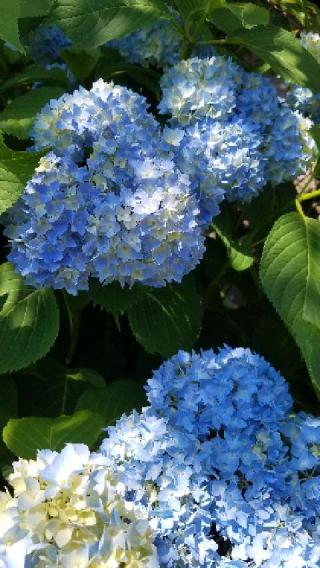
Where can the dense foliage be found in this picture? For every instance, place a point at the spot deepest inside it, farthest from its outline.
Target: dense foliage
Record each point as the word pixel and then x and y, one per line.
pixel 159 201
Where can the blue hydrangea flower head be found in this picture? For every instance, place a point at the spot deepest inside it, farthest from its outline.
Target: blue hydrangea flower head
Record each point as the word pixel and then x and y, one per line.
pixel 232 411
pixel 108 202
pixel 157 45
pixel 233 133
pixel 46 44
pixel 234 389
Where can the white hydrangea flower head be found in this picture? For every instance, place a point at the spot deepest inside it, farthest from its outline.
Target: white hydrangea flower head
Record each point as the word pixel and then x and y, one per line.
pixel 69 510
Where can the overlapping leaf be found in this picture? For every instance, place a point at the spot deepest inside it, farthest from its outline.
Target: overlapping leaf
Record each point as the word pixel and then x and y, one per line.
pixel 290 275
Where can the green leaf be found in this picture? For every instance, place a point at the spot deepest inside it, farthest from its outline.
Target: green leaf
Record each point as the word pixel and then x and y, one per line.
pixel 18 117
pixel 231 16
pixel 188 8
pixel 240 257
pixel 167 319
pixel 148 78
pixel 283 52
pixel 9 31
pixel 24 436
pixel 34 73
pixel 49 389
pixel 81 63
pixel 262 212
pixel 29 321
pixel 35 8
pixel 16 168
pixel 85 375
pixel 290 275
pixel 118 398
pixel 91 23
pixel 315 133
pixel 113 297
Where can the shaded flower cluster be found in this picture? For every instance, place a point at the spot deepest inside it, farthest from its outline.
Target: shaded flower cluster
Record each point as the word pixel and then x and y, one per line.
pixel 68 509
pixel 108 201
pixel 46 43
pixel 157 45
pixel 216 472
pixel 232 134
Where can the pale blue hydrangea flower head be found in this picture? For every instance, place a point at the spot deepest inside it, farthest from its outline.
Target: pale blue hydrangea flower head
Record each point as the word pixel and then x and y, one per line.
pixel 208 95
pixel 74 122
pixel 148 457
pixel 303 99
pixel 311 42
pixel 157 45
pixel 46 44
pixel 108 202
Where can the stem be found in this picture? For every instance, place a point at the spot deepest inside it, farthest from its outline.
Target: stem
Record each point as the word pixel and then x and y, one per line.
pixel 305 197
pixel 215 42
pixel 310 195
pixel 64 396
pixel 74 320
pixel 299 208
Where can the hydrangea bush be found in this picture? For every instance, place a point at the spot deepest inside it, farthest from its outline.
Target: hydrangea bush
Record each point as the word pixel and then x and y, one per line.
pixel 159 203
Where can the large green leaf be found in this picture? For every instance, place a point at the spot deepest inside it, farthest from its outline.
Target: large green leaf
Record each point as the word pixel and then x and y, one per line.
pixel 240 257
pixel 81 63
pixel 29 321
pixel 114 297
pixel 91 23
pixel 233 16
pixel 290 275
pixel 18 117
pixel 283 52
pixel 16 168
pixel 49 389
pixel 24 436
pixel 167 319
pixel 35 8
pixel 9 31
pixel 118 398
pixel 34 73
pixel 189 7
